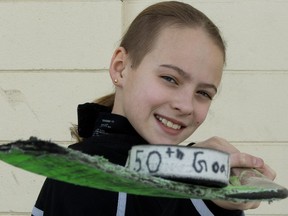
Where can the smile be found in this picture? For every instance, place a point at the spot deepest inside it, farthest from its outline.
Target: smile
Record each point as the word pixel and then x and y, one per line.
pixel 168 123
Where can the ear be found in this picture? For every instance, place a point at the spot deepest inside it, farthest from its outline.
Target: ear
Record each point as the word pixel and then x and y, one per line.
pixel 117 66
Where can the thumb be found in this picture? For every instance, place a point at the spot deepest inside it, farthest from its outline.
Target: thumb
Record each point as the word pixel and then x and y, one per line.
pixel 239 159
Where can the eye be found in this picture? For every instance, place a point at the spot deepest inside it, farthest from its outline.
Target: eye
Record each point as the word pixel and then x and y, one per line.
pixel 169 79
pixel 205 94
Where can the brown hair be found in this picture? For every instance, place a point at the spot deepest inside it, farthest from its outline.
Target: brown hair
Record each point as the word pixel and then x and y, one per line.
pixel 145 28
pixel 143 31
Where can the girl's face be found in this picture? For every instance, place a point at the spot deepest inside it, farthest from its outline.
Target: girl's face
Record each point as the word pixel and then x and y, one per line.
pixel 167 97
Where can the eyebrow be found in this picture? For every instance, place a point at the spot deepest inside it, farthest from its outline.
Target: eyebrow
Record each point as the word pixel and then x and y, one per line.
pixel 187 76
pixel 207 85
pixel 178 70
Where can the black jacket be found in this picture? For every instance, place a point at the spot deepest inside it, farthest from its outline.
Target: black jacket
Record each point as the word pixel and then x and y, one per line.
pixel 111 136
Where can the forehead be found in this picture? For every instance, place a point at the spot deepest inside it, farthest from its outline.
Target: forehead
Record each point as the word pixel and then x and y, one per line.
pixel 190 49
pixel 177 35
pixel 185 42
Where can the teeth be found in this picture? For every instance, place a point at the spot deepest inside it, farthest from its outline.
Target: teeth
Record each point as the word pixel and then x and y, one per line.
pixel 169 123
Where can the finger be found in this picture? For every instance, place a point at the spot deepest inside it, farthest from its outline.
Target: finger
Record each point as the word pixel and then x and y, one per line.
pixel 245 161
pixel 267 171
pixel 217 143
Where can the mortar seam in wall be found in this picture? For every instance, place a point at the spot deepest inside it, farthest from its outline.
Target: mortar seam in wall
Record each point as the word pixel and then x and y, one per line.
pixel 15 213
pixel 264 71
pixel 102 70
pixel 262 143
pixel 64 143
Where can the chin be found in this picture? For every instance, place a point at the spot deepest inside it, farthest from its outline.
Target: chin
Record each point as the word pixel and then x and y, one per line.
pixel 167 142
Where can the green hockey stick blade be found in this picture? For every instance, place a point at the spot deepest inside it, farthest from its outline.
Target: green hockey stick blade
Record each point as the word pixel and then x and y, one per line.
pixel 63 164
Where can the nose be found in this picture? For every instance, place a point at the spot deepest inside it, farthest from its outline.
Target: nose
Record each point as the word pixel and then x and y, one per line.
pixel 183 103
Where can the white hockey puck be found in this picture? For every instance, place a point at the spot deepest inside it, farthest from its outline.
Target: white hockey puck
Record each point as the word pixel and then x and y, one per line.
pixel 185 164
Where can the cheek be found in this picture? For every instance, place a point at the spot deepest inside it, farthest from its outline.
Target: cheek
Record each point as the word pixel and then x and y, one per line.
pixel 140 100
pixel 201 114
pixel 150 94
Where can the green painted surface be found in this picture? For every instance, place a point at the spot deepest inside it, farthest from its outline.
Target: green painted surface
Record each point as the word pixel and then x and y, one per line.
pixel 56 162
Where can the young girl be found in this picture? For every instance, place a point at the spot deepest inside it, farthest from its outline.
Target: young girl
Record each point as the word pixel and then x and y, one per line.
pixel 166 72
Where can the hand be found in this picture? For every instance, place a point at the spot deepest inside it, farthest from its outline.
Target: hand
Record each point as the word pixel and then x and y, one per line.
pixel 237 159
